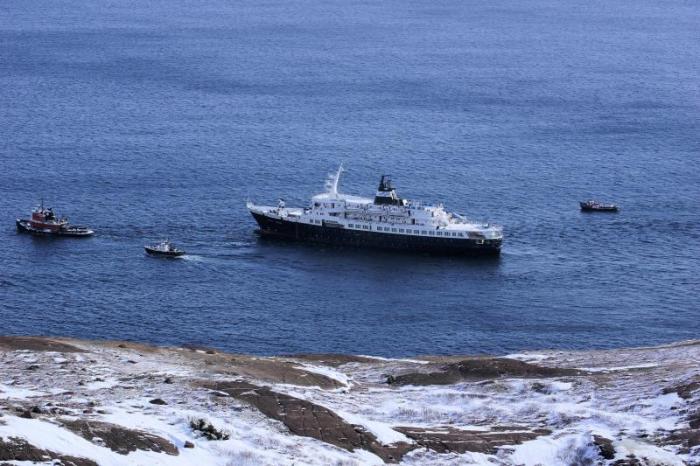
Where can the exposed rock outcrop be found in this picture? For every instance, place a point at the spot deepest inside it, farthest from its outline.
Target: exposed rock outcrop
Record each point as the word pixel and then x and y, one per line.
pixel 449 439
pixel 311 420
pixel 684 390
pixel 480 369
pixel 18 449
pixel 119 439
pixel 333 360
pixel 605 447
pixel 37 344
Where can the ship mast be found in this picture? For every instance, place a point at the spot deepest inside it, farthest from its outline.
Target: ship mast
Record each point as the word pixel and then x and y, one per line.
pixel 334 181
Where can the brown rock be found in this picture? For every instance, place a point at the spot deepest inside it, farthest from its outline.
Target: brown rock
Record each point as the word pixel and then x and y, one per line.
pixel 37 344
pixel 694 420
pixel 478 369
pixel 120 439
pixel 188 444
pixel 195 347
pixel 310 420
pixel 605 447
pixel 451 440
pixel 17 449
pixel 631 460
pixel 686 438
pixel 334 360
pixel 539 387
pixel 684 390
pixel 208 430
pixel 281 371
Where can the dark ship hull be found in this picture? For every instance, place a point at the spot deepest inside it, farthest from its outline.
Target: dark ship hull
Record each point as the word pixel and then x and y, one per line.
pixel 334 234
pixel 157 252
pixel 598 208
pixel 23 226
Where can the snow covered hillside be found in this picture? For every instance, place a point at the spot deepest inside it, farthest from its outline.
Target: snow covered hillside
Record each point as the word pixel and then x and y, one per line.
pixel 88 403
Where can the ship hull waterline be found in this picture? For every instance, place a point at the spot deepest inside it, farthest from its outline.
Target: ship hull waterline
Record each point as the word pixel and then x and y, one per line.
pixel 23 226
pixel 158 253
pixel 297 231
pixel 611 209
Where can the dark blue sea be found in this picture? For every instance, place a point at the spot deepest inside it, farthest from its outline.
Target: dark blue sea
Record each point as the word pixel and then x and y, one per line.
pixel 147 119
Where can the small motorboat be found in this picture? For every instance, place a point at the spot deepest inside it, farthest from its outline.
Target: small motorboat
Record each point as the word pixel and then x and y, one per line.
pixel 44 222
pixel 165 249
pixel 594 206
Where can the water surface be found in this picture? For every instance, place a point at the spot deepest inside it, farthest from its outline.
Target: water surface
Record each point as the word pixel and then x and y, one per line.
pixel 160 118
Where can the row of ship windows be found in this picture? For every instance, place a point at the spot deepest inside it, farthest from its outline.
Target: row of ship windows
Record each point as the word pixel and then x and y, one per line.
pixel 401 230
pixel 415 232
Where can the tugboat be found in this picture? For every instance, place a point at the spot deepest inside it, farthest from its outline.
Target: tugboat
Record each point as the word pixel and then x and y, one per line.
pixel 385 222
pixel 594 206
pixel 44 222
pixel 165 249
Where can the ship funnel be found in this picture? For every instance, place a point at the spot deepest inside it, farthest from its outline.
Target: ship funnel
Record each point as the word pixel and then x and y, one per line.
pixel 386 194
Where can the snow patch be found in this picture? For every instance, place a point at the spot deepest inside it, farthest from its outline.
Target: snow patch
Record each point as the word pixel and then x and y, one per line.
pixel 327 372
pixel 653 455
pixel 101 384
pixel 563 450
pixel 527 357
pixel 383 431
pixel 18 393
pixel 379 358
pixel 618 368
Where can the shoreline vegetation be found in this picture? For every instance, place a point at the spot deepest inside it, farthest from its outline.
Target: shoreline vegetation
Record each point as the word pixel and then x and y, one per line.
pixel 84 403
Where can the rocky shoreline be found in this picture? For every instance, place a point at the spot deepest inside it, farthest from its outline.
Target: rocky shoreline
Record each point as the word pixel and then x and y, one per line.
pixel 85 403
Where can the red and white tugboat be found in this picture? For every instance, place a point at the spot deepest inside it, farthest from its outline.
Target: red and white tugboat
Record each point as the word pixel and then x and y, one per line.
pixel 44 222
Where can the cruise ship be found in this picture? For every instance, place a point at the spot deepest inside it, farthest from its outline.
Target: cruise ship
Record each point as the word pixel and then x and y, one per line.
pixel 384 222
